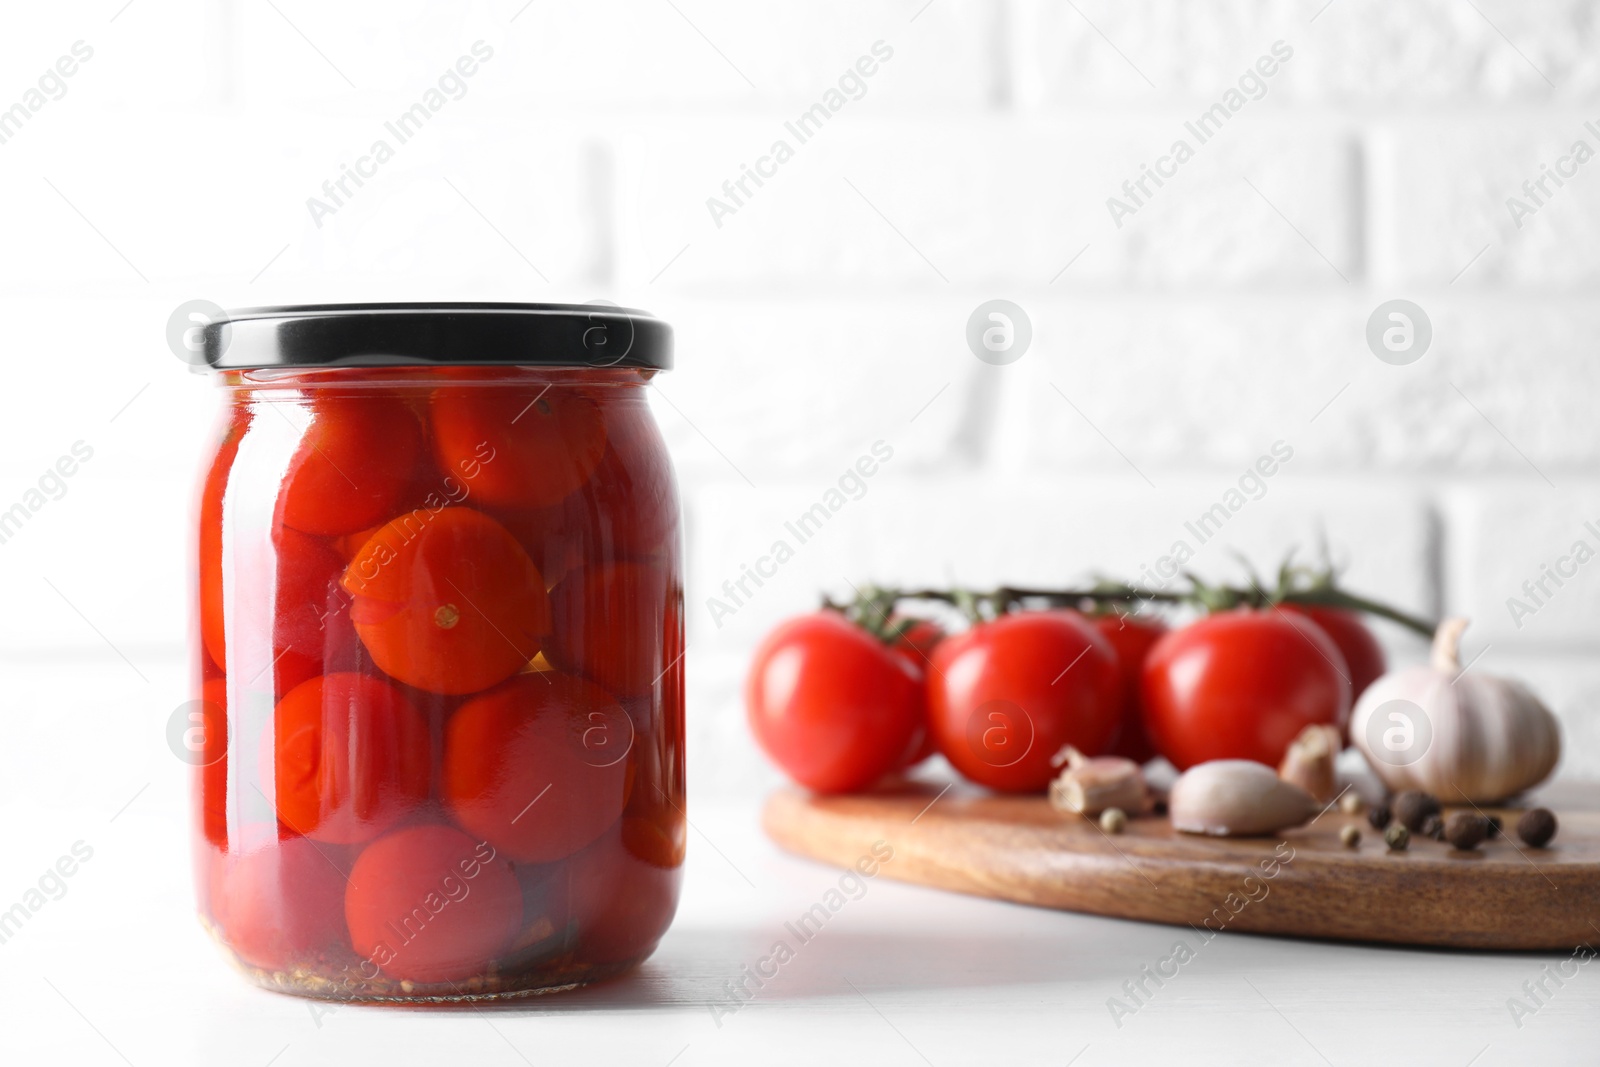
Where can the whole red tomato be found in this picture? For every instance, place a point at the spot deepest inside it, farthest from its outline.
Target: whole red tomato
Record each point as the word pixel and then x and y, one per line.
pixel 1242 685
pixel 607 903
pixel 626 510
pixel 831 704
pixel 352 466
pixel 538 766
pixel 629 505
pixel 210 578
pixel 210 721
pixel 312 632
pixel 532 445
pixel 917 642
pixel 915 645
pixel 1005 696
pixel 612 623
pixel 430 904
pixel 447 600
pixel 1132 636
pixel 291 579
pixel 1362 653
pixel 350 756
pixel 622 903
pixel 280 902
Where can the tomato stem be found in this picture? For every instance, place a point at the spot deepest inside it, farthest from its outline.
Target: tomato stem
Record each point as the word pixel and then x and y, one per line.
pixel 1338 598
pixel 873 611
pixel 876 606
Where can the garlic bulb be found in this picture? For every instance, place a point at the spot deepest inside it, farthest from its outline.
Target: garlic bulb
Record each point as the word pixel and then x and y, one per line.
pixel 1462 737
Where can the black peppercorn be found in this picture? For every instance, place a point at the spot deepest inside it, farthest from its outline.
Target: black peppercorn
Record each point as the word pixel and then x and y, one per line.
pixel 1465 829
pixel 1413 806
pixel 1537 827
pixel 1432 826
pixel 1495 826
pixel 1378 815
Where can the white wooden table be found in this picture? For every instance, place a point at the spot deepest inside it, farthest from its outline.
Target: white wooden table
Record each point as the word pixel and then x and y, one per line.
pixel 112 967
pixel 117 971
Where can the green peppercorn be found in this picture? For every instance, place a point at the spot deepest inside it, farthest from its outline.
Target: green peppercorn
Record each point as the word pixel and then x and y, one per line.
pixel 1397 837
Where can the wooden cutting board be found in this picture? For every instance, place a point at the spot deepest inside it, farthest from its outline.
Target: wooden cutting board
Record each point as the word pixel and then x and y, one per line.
pixel 1302 883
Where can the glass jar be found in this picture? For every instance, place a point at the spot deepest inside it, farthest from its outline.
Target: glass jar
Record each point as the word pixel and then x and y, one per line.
pixel 440 650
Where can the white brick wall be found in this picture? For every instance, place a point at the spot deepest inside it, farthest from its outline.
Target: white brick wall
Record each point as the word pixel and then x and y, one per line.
pixel 829 310
pixel 1444 187
pixel 987 200
pixel 1425 53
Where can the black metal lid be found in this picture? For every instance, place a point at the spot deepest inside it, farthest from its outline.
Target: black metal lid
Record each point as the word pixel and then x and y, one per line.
pixel 379 335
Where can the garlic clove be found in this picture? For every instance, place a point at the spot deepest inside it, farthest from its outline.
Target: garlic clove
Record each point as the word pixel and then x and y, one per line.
pixel 1089 786
pixel 1309 761
pixel 1068 756
pixel 1236 798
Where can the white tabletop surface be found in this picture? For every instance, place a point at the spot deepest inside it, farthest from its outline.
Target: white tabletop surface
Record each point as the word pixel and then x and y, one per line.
pixel 117 971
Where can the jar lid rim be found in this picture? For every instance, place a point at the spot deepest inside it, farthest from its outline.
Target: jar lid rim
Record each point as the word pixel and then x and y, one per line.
pixel 598 334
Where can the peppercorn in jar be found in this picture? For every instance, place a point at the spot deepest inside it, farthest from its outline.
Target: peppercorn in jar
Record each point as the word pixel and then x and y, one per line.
pixel 440 650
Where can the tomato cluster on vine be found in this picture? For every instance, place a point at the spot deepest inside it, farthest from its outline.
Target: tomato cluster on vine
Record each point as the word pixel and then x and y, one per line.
pixel 842 698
